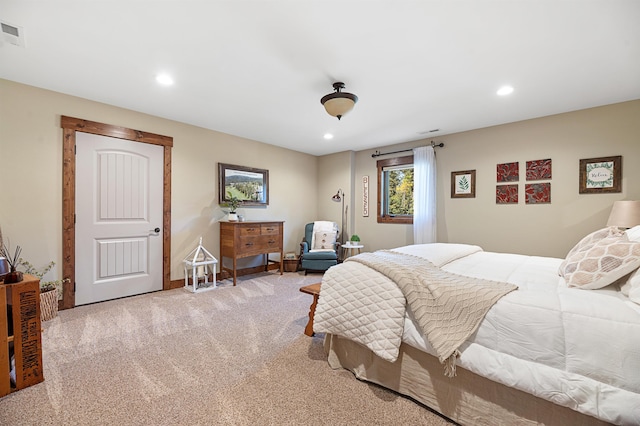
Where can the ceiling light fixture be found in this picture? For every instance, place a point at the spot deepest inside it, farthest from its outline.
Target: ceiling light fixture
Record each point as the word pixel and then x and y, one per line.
pixel 328 136
pixel 338 103
pixel 164 79
pixel 505 90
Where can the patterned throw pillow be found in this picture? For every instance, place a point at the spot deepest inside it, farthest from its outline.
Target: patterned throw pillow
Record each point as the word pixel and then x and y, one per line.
pixel 606 261
pixel 589 241
pixel 324 241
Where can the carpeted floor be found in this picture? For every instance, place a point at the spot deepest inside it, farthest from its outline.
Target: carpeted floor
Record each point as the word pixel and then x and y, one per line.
pixel 231 356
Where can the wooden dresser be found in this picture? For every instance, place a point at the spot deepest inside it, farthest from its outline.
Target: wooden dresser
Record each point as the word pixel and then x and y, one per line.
pixel 252 238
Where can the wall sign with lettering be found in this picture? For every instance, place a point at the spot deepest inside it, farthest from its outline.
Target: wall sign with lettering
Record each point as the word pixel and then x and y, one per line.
pixel 601 175
pixel 365 196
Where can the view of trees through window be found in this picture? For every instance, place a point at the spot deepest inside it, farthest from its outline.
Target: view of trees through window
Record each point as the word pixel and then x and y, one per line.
pixel 400 195
pixel 395 190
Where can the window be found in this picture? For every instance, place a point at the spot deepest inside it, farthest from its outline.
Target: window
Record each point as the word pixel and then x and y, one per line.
pixel 395 190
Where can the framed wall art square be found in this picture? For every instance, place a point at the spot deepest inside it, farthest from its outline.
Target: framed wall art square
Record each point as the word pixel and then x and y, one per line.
pixel 508 172
pixel 537 193
pixel 538 169
pixel 601 175
pixel 463 184
pixel 507 194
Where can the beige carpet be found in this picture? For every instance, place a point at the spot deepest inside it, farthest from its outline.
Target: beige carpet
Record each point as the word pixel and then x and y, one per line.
pixel 231 356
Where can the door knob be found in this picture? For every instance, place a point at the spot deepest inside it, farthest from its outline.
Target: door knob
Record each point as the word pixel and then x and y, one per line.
pixel 156 230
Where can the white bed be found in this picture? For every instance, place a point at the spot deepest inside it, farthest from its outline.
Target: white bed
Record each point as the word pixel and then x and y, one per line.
pixel 544 353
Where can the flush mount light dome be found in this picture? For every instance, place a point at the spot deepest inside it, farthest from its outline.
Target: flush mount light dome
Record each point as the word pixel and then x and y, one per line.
pixel 338 103
pixel 164 79
pixel 505 90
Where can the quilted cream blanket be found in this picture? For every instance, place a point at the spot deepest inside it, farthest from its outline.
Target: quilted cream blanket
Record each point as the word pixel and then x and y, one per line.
pixel 447 307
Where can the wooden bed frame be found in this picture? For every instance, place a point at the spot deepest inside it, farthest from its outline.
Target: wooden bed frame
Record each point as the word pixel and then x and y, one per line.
pixel 466 398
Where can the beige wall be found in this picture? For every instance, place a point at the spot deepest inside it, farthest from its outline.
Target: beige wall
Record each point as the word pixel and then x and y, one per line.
pixel 549 229
pixel 31 166
pixel 302 185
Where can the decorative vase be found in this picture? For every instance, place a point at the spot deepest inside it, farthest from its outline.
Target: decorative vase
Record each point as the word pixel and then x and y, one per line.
pixel 232 217
pixel 13 277
pixel 4 268
pixel 48 305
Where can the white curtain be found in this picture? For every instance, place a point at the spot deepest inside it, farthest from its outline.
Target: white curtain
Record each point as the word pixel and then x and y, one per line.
pixel 424 195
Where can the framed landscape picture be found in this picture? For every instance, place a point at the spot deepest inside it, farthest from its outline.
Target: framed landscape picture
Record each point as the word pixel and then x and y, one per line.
pixel 249 185
pixel 463 184
pixel 601 175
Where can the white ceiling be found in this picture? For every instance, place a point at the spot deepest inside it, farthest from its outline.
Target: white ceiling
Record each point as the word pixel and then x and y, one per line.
pixel 258 69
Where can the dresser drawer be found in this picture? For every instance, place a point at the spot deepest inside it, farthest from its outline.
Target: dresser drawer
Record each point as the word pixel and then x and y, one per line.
pixel 249 230
pixel 269 229
pixel 258 244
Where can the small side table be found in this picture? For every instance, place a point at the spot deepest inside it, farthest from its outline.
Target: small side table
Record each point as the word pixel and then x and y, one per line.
pixel 349 249
pixel 314 290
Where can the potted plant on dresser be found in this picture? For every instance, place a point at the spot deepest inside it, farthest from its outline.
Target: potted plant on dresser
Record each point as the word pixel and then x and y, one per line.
pixel 49 290
pixel 233 202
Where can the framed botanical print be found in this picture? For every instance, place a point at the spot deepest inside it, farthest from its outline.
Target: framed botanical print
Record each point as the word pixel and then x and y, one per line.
pixel 601 175
pixel 463 184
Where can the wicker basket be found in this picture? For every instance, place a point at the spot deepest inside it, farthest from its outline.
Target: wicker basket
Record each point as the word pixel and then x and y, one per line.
pixel 49 305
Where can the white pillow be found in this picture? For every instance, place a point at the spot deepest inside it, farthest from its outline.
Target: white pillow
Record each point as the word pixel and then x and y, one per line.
pixel 324 240
pixel 633 233
pixel 606 261
pixel 631 288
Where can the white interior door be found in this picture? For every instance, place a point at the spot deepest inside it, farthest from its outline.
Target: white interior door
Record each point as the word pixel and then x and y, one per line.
pixel 119 191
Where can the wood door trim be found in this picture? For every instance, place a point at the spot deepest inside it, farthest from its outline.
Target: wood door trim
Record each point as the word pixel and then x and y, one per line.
pixel 70 126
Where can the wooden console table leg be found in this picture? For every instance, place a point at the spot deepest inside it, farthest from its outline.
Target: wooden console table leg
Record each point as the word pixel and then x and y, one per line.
pixel 314 290
pixel 308 330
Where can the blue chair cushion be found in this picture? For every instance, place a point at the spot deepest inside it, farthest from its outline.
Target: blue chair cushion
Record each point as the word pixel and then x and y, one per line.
pixel 320 255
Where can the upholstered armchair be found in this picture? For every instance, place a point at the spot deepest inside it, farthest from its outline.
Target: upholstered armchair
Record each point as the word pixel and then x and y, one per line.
pixel 319 248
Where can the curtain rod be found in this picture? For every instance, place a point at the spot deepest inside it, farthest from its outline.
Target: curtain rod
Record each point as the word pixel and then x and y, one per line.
pixel 378 153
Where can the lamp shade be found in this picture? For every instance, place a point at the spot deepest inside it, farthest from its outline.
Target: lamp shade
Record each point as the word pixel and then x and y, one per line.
pixel 625 214
pixel 338 103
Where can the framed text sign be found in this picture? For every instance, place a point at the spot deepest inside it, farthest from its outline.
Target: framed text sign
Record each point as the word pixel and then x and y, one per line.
pixel 601 175
pixel 365 196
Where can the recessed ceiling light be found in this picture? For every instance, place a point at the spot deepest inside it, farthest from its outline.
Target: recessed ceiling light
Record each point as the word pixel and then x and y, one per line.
pixel 164 79
pixel 505 90
pixel 328 136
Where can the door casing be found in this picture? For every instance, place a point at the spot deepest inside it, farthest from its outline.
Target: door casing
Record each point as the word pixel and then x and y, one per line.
pixel 70 126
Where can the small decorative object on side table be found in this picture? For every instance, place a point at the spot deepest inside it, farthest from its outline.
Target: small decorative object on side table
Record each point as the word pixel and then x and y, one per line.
pixel 349 247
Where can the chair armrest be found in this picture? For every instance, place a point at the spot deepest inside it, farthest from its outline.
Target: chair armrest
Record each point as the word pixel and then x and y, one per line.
pixel 304 247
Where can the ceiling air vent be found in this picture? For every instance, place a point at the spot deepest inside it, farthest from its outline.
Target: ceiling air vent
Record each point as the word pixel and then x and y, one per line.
pixel 12 34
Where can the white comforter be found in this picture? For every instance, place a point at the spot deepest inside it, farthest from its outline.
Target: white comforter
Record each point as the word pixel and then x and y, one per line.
pixel 576 348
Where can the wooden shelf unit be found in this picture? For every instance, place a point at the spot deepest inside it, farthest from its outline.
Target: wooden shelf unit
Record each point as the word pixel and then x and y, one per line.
pixel 251 238
pixel 24 300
